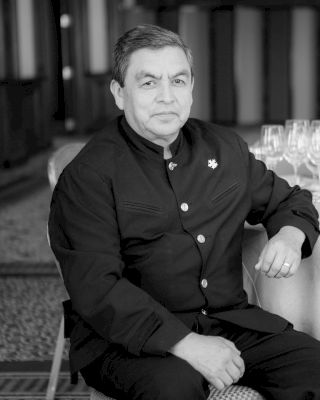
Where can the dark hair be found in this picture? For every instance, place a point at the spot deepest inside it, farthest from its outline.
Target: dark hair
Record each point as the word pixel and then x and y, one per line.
pixel 143 36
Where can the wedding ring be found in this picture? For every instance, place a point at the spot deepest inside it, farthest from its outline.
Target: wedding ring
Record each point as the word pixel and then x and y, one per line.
pixel 285 264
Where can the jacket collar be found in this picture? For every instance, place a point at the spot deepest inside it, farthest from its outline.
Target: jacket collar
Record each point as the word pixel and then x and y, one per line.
pixel 146 146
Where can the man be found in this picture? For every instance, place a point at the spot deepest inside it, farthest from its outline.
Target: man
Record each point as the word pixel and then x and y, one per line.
pixel 147 223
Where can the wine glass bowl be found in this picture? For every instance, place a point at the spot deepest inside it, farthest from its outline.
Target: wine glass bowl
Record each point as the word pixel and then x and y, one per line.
pixel 297 143
pixel 272 143
pixel 312 167
pixel 314 147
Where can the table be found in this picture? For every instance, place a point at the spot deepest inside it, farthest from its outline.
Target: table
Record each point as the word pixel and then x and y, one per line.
pixel 296 298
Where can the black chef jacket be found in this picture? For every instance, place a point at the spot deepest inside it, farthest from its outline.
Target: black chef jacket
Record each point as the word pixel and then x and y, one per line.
pixel 146 244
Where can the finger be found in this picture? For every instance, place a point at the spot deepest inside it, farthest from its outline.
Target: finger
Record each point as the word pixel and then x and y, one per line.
pixel 267 260
pixel 293 269
pixel 285 270
pixel 289 266
pixel 275 267
pixel 239 363
pixel 259 263
pixel 257 267
pixel 218 384
pixel 226 378
pixel 234 372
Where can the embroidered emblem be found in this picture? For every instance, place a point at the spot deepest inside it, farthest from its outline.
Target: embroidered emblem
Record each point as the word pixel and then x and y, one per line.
pixel 172 165
pixel 212 163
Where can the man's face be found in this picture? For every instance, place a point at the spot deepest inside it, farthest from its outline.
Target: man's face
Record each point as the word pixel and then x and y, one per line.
pixel 157 93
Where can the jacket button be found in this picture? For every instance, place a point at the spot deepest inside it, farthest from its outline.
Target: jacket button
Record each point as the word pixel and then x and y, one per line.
pixel 204 283
pixel 184 207
pixel 172 165
pixel 201 238
pixel 204 312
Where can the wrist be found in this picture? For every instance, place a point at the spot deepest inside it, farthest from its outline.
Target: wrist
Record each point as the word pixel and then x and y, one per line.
pixel 181 348
pixel 294 233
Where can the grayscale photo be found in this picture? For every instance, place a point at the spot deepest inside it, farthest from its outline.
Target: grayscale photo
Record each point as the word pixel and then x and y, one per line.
pixel 159 200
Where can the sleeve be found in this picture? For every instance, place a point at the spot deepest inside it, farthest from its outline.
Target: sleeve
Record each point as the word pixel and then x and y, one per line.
pixel 276 204
pixel 86 242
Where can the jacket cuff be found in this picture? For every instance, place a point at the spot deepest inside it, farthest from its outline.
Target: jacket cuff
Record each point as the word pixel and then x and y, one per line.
pixel 166 336
pixel 310 230
pixel 139 338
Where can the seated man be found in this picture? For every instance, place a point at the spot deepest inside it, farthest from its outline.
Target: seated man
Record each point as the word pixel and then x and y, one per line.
pixel 147 223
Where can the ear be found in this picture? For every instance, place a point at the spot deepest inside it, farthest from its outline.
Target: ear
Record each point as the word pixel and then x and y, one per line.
pixel 117 92
pixel 192 85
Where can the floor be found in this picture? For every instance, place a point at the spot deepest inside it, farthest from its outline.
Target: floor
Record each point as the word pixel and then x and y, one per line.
pixel 31 290
pixel 23 222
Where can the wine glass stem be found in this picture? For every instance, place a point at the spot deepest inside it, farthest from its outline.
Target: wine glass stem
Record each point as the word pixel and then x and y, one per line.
pixel 295 172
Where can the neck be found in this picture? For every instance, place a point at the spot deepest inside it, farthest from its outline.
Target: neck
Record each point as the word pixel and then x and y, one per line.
pixel 167 153
pixel 165 143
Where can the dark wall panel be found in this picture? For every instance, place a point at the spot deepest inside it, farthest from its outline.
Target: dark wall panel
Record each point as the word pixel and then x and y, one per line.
pixel 277 62
pixel 222 74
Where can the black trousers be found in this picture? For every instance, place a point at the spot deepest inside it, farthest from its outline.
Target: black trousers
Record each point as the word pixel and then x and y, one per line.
pixel 281 366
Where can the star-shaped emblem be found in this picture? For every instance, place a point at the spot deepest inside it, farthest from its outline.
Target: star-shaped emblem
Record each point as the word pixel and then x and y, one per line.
pixel 212 163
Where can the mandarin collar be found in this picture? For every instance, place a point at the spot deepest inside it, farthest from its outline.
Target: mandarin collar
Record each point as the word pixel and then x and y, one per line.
pixel 146 145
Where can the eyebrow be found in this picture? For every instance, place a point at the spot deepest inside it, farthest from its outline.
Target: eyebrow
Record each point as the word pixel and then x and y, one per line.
pixel 146 74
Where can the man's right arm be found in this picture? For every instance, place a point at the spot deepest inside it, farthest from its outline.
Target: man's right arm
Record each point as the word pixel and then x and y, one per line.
pixel 86 241
pixel 215 357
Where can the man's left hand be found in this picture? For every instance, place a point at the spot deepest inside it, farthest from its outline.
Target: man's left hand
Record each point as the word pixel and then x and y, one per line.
pixel 281 256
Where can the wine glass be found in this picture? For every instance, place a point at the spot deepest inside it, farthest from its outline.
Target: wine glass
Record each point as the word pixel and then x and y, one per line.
pixel 296 140
pixel 314 146
pixel 257 150
pixel 312 167
pixel 272 143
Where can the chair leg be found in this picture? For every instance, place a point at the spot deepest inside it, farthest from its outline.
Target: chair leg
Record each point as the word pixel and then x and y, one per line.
pixel 56 363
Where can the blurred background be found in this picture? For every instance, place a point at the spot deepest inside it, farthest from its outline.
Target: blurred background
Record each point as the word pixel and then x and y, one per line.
pixel 256 62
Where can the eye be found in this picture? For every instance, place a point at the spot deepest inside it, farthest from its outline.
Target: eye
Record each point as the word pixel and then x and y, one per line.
pixel 148 84
pixel 178 82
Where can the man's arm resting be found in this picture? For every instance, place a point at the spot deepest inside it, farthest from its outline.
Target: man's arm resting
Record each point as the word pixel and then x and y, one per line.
pixel 281 256
pixel 85 238
pixel 216 358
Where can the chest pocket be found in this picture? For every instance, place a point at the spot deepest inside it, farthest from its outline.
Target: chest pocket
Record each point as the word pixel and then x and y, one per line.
pixel 141 220
pixel 225 196
pixel 141 207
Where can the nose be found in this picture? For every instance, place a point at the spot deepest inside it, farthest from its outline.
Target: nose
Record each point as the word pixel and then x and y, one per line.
pixel 165 94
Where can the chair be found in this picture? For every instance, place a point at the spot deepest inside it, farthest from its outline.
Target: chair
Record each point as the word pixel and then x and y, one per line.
pixel 59 159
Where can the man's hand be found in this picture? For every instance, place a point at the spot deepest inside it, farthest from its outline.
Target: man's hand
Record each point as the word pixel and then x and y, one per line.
pixel 281 256
pixel 216 358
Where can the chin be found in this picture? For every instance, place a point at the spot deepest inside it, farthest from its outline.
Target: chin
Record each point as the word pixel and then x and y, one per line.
pixel 168 128
pixel 166 132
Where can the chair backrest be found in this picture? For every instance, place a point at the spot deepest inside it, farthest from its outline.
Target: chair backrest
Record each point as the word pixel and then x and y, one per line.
pixel 56 163
pixel 60 159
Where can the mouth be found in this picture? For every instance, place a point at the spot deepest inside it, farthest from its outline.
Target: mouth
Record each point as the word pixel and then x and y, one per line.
pixel 165 115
